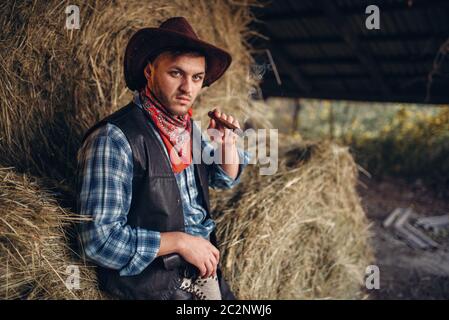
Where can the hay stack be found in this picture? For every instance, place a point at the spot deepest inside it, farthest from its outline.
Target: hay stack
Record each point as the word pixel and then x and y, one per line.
pixel 302 230
pixel 299 234
pixel 55 83
pixel 34 250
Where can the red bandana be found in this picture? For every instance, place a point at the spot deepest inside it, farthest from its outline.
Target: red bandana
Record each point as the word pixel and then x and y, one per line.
pixel 174 130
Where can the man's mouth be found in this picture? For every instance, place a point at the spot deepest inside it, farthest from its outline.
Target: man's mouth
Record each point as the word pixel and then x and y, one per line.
pixel 183 99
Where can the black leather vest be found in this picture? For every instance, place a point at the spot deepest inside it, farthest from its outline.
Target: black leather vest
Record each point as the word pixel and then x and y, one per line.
pixel 155 205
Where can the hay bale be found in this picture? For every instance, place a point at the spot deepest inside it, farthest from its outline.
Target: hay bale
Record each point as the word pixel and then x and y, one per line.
pixel 55 83
pixel 298 234
pixel 34 250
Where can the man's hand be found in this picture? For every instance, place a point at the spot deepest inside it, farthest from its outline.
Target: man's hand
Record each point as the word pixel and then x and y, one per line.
pixel 226 140
pixel 201 253
pixel 195 250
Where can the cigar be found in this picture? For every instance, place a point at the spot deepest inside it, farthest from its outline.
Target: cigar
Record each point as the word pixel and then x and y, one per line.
pixel 226 124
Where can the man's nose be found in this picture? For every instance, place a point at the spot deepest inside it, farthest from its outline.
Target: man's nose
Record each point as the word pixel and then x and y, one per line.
pixel 186 86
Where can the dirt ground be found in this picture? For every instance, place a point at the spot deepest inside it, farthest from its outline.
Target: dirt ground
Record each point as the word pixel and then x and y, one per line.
pixel 405 273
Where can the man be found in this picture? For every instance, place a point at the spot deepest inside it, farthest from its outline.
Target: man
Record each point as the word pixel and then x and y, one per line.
pixel 151 233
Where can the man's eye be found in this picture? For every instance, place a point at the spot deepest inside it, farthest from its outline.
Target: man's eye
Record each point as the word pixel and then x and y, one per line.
pixel 175 73
pixel 197 78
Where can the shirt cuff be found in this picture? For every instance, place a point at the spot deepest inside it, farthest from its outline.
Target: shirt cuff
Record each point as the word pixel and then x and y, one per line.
pixel 147 248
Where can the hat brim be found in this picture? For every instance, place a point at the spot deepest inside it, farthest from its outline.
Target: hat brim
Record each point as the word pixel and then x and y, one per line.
pixel 148 41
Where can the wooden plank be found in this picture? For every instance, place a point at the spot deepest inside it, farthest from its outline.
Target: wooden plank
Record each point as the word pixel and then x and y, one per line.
pixel 282 60
pixel 388 222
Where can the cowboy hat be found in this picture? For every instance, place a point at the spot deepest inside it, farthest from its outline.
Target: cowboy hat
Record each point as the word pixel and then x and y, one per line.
pixel 175 32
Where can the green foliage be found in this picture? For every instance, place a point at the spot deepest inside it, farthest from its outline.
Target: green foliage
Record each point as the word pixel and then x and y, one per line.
pixel 407 140
pixel 414 145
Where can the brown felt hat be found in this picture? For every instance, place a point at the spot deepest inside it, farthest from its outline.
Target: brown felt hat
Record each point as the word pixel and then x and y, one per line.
pixel 173 33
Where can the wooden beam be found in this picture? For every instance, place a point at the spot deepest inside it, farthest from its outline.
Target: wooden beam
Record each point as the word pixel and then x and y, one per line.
pixel 339 22
pixel 358 9
pixel 324 40
pixel 417 95
pixel 438 100
pixel 361 76
pixel 399 59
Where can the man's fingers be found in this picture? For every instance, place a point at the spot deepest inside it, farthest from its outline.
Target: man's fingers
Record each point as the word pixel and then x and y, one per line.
pixel 214 265
pixel 202 270
pixel 214 259
pixel 215 251
pixel 215 134
pixel 212 124
pixel 214 271
pixel 216 254
pixel 209 269
pixel 226 117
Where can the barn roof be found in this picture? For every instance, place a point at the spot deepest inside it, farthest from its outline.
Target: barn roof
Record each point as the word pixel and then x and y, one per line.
pixel 322 49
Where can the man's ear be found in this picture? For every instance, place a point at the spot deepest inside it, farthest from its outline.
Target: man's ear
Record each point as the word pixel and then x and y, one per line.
pixel 147 71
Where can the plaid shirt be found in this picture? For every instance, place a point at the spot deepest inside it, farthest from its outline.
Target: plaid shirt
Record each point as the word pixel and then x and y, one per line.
pixel 105 172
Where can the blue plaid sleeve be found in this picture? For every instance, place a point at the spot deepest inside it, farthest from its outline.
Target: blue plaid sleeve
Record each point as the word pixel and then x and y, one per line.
pixel 218 178
pixel 105 174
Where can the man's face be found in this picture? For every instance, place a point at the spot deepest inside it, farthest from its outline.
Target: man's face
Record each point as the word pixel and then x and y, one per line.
pixel 176 81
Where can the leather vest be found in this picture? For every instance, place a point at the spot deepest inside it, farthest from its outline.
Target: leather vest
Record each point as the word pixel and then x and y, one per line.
pixel 155 205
